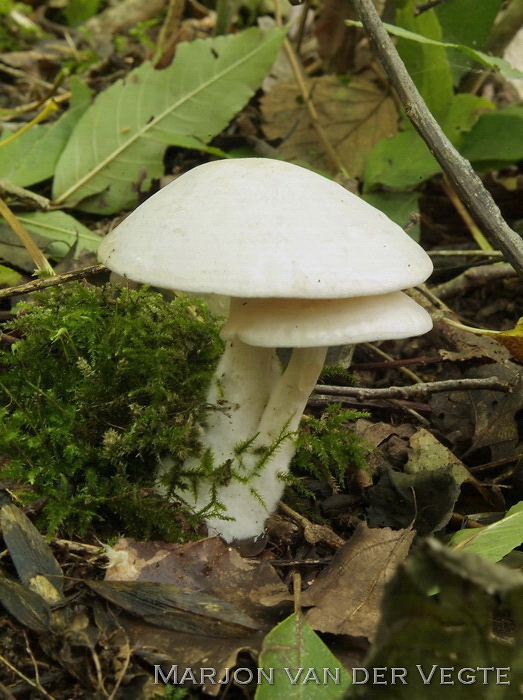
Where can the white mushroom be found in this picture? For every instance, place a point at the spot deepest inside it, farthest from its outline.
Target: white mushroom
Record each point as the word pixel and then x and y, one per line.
pixel 307 264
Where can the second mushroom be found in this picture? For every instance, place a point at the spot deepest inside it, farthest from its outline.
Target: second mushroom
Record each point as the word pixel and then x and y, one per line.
pixel 306 265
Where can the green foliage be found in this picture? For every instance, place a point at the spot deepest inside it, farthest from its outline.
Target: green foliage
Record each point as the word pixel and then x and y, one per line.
pixel 468 23
pixel 493 542
pixel 497 139
pixel 8 277
pixel 121 139
pixel 303 666
pixel 429 43
pixel 15 36
pixel 32 156
pixel 97 389
pixel 78 11
pixel 326 447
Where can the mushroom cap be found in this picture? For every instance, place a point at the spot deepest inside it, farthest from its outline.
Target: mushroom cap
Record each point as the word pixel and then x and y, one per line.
pixel 257 227
pixel 302 323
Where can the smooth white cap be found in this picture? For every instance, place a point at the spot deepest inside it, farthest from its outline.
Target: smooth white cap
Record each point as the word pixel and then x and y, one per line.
pixel 301 323
pixel 257 227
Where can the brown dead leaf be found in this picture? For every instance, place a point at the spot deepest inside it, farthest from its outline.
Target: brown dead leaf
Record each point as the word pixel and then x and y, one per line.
pixel 206 567
pixel 478 419
pixel 346 596
pixel 354 115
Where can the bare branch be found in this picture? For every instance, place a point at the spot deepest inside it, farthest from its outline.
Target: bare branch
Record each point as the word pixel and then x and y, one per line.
pixel 415 391
pixel 465 181
pixel 44 282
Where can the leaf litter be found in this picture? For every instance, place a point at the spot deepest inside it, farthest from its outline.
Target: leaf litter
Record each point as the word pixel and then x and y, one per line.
pixel 201 604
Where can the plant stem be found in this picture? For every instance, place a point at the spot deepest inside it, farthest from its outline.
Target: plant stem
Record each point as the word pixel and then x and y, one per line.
pixel 458 170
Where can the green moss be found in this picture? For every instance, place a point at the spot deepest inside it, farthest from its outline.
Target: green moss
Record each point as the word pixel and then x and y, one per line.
pixel 100 386
pixel 327 448
pixel 95 391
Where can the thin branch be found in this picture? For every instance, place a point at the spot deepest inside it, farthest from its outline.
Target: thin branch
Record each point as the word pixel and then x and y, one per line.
pixel 460 173
pixel 416 391
pixel 472 253
pixel 473 277
pixel 45 282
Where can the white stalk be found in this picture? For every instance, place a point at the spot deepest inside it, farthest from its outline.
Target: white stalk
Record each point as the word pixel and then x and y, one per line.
pixel 250 504
pixel 240 389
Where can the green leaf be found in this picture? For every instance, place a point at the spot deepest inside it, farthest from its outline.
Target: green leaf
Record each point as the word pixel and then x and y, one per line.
pixel 8 277
pixel 53 231
pixel 78 11
pixel 118 146
pixel 33 155
pixel 467 22
pixel 496 140
pixel 303 667
pixel 405 161
pixel 402 161
pixel 57 226
pixel 494 63
pixel 398 206
pixel 427 64
pixel 494 541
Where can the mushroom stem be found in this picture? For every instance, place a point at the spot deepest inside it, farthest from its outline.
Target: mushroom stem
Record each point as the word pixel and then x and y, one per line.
pixel 290 395
pixel 282 417
pixel 268 408
pixel 240 389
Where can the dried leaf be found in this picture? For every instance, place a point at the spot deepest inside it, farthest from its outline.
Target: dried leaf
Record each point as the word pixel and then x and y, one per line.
pixel 206 566
pixel 346 596
pixel 29 608
pixel 449 633
pixel 354 115
pixel 176 608
pixel 427 452
pixel 31 555
pixel 209 566
pixel 424 499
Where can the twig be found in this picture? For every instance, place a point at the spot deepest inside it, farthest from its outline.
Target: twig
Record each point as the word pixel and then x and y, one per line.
pixel 416 391
pixel 460 173
pixel 407 372
pixel 32 683
pixel 465 253
pixel 473 277
pixel 45 282
pixel 507 24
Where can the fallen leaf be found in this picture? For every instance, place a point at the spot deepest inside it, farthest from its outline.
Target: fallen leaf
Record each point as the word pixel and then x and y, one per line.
pixel 427 452
pixel 31 555
pixel 354 115
pixel 346 596
pixel 177 608
pixel 458 629
pixel 250 587
pixel 424 499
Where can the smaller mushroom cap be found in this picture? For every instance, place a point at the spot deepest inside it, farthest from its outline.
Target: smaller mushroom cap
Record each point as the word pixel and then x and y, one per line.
pixel 300 323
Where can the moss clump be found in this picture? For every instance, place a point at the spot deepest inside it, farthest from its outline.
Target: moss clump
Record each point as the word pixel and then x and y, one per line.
pixel 328 450
pixel 95 391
